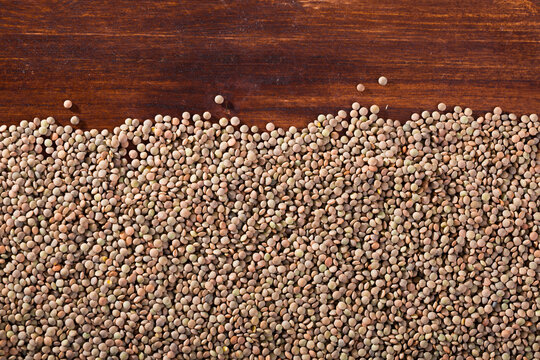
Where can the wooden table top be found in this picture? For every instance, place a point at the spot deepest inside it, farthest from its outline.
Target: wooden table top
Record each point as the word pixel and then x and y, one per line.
pixel 281 61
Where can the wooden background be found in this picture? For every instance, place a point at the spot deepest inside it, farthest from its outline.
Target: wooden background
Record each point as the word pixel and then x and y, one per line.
pixel 284 61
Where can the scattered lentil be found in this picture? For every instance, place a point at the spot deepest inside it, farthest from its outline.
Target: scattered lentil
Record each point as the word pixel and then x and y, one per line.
pixel 219 99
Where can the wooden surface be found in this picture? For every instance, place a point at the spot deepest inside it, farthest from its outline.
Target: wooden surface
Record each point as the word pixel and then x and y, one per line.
pixel 284 61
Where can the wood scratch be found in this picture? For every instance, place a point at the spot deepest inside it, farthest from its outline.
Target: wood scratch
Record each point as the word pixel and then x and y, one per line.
pixel 43 33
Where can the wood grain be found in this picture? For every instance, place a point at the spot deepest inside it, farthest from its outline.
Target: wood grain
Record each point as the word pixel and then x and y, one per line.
pixel 284 61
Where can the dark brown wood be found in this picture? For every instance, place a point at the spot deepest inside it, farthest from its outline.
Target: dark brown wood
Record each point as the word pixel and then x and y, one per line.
pixel 284 61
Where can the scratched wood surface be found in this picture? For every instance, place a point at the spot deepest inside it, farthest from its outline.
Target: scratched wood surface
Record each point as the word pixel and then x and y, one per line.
pixel 284 61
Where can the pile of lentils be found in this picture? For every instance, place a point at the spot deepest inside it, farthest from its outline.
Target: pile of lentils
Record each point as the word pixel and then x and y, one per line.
pixel 353 238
